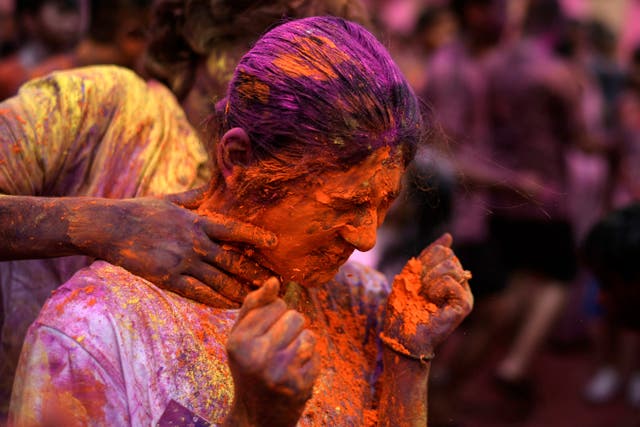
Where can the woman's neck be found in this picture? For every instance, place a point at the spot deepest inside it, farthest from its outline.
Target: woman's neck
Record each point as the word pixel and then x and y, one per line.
pixel 299 298
pixel 220 201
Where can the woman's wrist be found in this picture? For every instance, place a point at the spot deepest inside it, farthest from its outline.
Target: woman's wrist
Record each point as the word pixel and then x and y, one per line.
pixel 397 347
pixel 403 399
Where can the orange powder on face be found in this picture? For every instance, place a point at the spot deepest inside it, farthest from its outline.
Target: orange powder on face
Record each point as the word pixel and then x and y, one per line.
pixel 319 218
pixel 312 223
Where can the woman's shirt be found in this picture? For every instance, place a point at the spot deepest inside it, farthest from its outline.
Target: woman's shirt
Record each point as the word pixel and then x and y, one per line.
pixel 110 348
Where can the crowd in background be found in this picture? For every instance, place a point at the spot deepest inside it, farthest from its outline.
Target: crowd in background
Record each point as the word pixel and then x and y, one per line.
pixel 535 107
pixel 536 139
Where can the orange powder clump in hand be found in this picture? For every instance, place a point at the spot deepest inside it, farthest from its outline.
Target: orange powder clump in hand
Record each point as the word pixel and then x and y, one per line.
pixel 406 301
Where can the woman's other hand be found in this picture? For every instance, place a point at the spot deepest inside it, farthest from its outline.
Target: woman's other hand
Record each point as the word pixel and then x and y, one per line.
pixel 272 359
pixel 428 300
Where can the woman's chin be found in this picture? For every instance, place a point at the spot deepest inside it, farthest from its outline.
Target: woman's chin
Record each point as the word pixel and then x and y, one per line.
pixel 316 273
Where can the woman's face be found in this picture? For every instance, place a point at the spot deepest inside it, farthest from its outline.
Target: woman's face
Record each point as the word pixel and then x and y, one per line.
pixel 324 217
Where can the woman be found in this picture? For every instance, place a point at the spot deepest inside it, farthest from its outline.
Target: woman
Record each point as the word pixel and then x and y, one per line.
pixel 314 135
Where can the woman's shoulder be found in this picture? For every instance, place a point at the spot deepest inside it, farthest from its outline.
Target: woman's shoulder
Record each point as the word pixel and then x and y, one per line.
pixel 105 296
pixel 359 289
pixel 146 340
pixel 362 278
pixel 102 296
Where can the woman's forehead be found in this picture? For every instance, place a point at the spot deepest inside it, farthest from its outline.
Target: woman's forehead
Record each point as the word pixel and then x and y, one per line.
pixel 377 177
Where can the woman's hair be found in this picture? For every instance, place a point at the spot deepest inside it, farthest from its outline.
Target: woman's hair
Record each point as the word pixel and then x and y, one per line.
pixel 320 93
pixel 184 32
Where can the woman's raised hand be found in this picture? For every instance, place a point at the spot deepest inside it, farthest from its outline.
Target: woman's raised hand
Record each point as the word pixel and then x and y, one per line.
pixel 428 300
pixel 272 359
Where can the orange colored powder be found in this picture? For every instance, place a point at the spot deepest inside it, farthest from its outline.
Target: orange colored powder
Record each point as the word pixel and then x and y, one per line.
pixel 315 209
pixel 370 417
pixel 253 89
pixel 73 295
pixel 342 391
pixel 312 64
pixel 395 344
pixel 405 299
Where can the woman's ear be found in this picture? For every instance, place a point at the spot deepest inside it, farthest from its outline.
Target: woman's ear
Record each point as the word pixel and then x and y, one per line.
pixel 234 149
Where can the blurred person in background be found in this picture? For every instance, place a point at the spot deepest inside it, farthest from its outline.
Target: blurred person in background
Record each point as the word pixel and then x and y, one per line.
pixel 535 115
pixel 604 65
pixel 616 349
pixel 587 169
pixel 457 79
pixel 195 44
pixel 456 91
pixel 435 27
pixel 7 28
pixel 611 251
pixel 117 34
pixel 627 153
pixel 45 28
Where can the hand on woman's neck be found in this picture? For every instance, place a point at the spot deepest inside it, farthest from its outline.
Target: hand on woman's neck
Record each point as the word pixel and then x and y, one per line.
pixel 219 202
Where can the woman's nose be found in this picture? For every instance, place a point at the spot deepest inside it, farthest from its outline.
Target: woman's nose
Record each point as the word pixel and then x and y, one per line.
pixel 361 231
